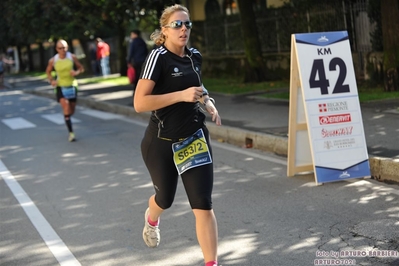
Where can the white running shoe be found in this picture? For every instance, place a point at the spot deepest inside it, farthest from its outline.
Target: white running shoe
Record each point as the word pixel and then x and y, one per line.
pixel 71 137
pixel 151 234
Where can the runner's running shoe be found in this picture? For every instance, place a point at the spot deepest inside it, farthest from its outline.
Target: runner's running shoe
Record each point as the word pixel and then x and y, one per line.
pixel 151 234
pixel 71 137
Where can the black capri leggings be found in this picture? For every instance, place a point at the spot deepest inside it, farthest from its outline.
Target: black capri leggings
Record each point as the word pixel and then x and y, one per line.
pixel 198 182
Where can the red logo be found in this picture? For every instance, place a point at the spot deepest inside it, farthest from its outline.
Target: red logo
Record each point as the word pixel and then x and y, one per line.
pixel 344 131
pixel 322 107
pixel 334 119
pixel 333 107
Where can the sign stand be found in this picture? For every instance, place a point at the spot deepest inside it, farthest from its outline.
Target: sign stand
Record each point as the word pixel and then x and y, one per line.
pixel 326 132
pixel 299 156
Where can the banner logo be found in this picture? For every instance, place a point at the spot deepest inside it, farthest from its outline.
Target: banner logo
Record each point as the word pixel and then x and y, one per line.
pixel 344 131
pixel 333 107
pixel 344 174
pixel 339 144
pixel 334 119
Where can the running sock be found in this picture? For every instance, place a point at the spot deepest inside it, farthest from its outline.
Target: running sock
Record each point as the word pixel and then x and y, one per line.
pixel 68 122
pixel 211 263
pixel 152 223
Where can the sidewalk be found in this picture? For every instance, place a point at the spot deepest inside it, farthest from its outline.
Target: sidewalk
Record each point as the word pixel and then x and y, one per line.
pixel 249 120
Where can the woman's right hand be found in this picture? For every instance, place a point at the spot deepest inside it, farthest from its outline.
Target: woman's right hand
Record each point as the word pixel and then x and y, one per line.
pixel 192 94
pixel 53 83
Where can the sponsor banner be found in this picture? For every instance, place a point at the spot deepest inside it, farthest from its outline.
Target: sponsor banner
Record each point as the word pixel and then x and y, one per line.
pixel 325 175
pixel 332 105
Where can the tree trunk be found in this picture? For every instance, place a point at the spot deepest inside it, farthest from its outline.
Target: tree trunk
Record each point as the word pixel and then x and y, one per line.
pixel 43 63
pixel 21 62
pixel 30 57
pixel 253 48
pixel 390 36
pixel 122 50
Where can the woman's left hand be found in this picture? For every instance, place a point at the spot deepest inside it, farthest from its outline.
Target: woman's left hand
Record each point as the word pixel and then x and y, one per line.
pixel 211 109
pixel 75 73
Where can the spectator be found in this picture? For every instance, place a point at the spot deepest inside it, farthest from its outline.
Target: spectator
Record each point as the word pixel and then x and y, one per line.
pixel 93 59
pixel 137 53
pixel 103 56
pixel 4 63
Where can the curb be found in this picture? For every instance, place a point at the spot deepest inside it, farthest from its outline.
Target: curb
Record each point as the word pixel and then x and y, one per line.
pixel 382 169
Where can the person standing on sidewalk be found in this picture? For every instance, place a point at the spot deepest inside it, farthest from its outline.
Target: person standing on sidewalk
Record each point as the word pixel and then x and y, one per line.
pixel 4 62
pixel 93 59
pixel 176 141
pixel 103 53
pixel 65 84
pixel 137 53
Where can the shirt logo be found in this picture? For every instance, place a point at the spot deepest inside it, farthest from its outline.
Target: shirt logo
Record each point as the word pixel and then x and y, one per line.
pixel 177 72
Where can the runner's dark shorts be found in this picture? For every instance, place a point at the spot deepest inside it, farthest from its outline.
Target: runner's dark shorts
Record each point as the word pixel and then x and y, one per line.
pixel 59 94
pixel 198 182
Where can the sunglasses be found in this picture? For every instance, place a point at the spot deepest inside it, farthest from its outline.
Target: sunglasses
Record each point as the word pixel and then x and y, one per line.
pixel 177 24
pixel 61 48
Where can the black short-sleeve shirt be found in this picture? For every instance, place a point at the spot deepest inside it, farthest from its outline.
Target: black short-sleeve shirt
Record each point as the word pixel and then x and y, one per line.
pixel 171 73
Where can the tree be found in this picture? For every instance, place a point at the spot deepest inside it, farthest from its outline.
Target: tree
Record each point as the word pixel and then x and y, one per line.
pixel 390 36
pixel 25 22
pixel 253 50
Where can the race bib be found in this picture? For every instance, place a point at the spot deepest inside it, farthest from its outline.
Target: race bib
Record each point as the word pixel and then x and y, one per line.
pixel 68 92
pixel 191 152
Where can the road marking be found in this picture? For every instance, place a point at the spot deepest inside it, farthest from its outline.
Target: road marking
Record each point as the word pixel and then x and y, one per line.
pixel 10 93
pixel 100 114
pixel 49 236
pixel 17 123
pixel 59 119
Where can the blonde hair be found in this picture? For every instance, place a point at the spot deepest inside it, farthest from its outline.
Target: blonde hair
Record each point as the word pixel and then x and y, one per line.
pixel 63 42
pixel 157 36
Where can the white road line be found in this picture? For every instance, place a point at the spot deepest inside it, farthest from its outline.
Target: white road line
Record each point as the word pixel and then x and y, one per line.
pixel 100 114
pixel 50 237
pixel 58 119
pixel 10 93
pixel 17 123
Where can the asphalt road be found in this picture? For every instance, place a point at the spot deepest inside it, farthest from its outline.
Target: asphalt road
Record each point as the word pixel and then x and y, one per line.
pixel 82 203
